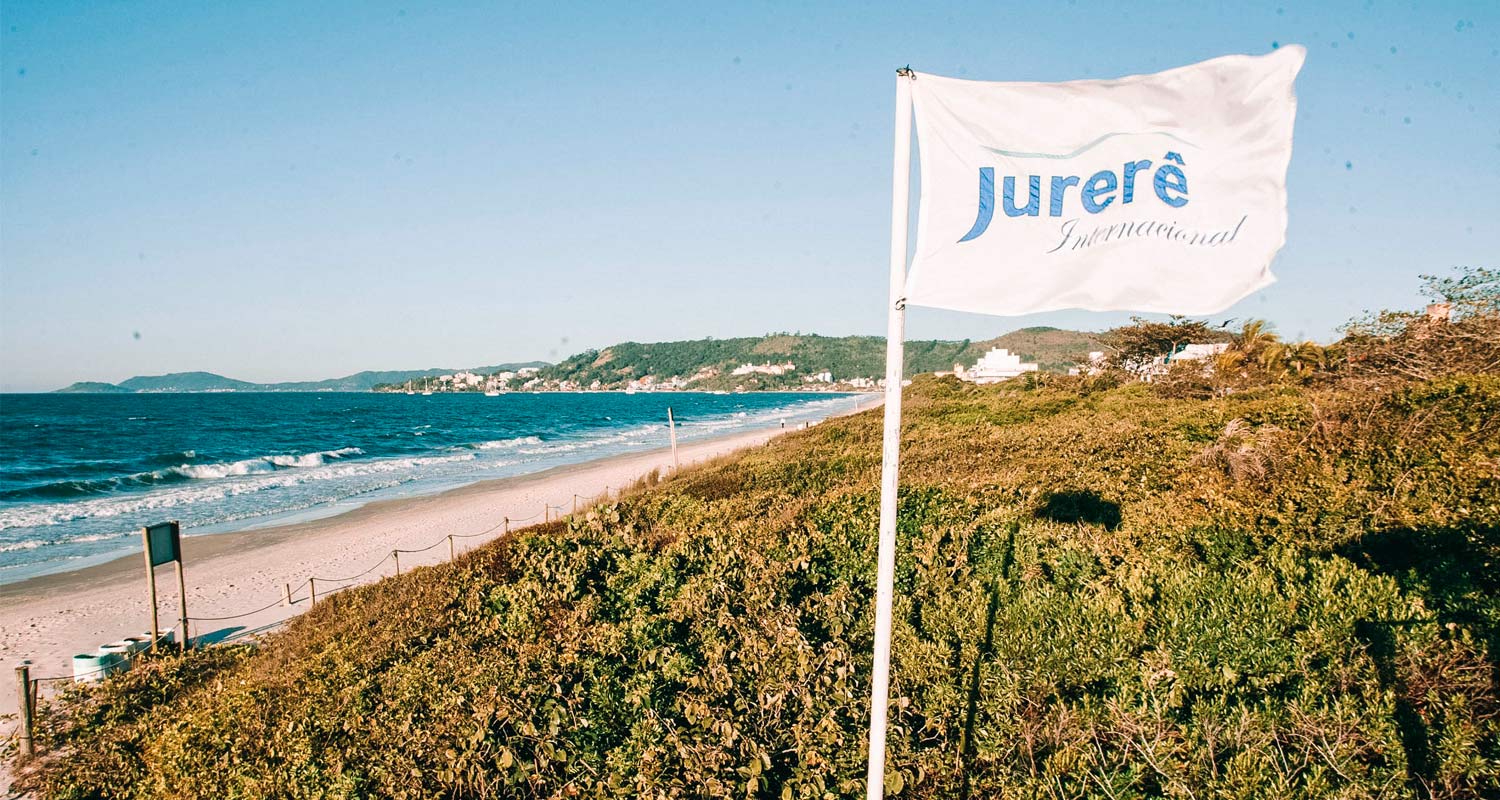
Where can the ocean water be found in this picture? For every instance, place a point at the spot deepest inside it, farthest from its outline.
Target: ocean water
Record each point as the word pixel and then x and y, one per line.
pixel 80 474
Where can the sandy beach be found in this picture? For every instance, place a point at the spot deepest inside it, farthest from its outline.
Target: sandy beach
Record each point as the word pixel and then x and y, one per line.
pixel 48 619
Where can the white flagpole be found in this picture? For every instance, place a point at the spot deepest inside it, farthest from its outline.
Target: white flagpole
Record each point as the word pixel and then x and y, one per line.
pixel 895 335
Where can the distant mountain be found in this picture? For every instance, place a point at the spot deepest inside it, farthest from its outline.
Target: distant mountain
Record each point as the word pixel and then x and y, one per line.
pixel 210 382
pixel 92 387
pixel 186 382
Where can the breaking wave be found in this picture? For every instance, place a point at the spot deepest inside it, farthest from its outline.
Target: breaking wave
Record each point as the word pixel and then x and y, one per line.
pixel 250 466
pixel 65 490
pixel 207 491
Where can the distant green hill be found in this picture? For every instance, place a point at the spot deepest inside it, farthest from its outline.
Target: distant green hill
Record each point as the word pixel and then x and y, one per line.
pixel 92 387
pixel 186 382
pixel 1053 349
pixel 846 357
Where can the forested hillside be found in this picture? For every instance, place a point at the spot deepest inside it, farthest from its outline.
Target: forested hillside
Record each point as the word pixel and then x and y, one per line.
pixel 845 357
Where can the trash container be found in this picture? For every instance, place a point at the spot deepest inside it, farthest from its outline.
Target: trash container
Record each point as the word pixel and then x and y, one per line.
pixel 91 667
pixel 122 649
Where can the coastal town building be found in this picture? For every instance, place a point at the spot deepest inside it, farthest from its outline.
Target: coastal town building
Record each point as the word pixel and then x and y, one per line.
pixel 995 366
pixel 764 369
pixel 1093 366
pixel 1188 352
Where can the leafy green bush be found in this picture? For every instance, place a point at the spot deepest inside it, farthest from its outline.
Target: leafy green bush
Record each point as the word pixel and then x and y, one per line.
pixel 1284 592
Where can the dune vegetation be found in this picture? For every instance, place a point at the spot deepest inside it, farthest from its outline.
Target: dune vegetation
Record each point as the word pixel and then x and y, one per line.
pixel 1272 578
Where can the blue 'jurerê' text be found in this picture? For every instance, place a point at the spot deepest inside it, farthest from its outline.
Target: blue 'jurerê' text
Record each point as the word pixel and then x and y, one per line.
pixel 1097 193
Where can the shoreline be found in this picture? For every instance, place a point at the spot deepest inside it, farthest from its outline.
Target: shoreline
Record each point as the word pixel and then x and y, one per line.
pixel 197 547
pixel 48 618
pixel 37 518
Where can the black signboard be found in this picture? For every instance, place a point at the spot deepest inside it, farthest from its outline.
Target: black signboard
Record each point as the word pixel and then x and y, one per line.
pixel 163 543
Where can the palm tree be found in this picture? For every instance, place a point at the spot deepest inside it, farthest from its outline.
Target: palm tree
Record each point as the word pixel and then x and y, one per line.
pixel 1254 338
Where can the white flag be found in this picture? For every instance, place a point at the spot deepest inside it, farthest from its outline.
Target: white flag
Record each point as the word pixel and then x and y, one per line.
pixel 1162 192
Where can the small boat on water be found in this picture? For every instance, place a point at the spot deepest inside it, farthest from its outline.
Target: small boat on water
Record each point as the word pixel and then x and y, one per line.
pixel 492 393
pixel 426 392
pixel 408 388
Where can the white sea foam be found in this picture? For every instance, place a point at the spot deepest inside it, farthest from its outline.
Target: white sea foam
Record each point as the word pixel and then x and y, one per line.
pixel 505 444
pixel 629 435
pixel 32 544
pixel 260 464
pixel 199 492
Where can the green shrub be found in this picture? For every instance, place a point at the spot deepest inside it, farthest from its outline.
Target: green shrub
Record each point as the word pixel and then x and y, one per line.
pixel 1101 592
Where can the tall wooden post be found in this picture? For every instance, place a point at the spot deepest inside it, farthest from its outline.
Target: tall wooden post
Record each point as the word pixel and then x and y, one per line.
pixel 151 587
pixel 672 432
pixel 27 708
pixel 396 554
pixel 451 556
pixel 182 617
pixel 507 525
pixel 286 595
pixel 312 589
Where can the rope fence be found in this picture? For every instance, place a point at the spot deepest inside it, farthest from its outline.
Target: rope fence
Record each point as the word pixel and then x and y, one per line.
pixel 290 593
pixel 29 687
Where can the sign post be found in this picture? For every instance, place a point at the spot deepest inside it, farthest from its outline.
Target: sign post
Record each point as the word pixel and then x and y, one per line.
pixel 163 544
pixel 672 432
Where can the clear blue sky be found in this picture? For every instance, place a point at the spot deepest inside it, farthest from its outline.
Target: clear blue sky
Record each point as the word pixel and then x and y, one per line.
pixel 273 191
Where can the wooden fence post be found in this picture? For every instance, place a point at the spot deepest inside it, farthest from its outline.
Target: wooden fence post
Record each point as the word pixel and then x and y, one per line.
pixel 507 524
pixel 451 557
pixel 151 586
pixel 286 595
pixel 312 589
pixel 27 709
pixel 187 641
pixel 672 431
pixel 396 554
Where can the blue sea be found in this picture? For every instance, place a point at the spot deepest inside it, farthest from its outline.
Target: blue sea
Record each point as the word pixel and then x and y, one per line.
pixel 80 474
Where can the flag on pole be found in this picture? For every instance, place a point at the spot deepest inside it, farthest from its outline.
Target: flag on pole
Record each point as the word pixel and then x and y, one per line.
pixel 1162 192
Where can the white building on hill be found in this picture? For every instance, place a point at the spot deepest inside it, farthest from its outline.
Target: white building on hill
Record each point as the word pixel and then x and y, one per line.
pixel 764 369
pixel 995 366
pixel 1093 366
pixel 1188 352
